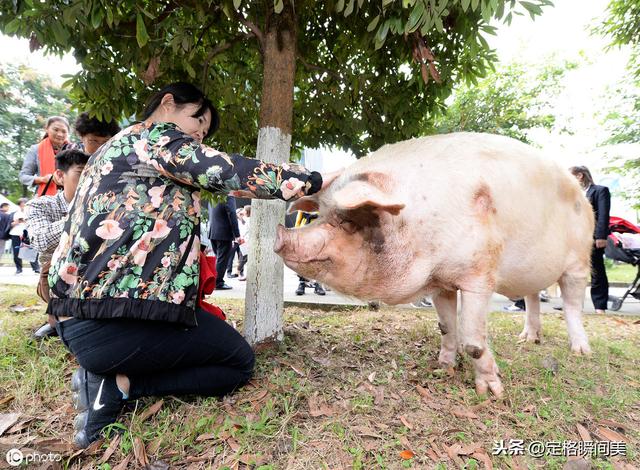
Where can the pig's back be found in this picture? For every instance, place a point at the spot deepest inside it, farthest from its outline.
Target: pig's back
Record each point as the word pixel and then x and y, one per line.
pixel 538 213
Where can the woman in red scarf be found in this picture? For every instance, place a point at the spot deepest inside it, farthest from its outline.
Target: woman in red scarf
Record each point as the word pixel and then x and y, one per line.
pixel 39 162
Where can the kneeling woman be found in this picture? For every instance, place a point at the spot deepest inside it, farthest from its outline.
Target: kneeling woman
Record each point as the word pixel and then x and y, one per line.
pixel 124 278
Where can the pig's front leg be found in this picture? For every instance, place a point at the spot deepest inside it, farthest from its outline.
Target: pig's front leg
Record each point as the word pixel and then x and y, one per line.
pixel 532 328
pixel 446 303
pixel 473 340
pixel 572 288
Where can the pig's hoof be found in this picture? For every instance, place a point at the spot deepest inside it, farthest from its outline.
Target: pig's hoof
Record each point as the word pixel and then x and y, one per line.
pixel 447 359
pixel 580 348
pixel 488 383
pixel 529 337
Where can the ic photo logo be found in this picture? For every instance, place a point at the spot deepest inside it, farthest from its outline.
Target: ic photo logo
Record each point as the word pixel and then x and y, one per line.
pixel 14 457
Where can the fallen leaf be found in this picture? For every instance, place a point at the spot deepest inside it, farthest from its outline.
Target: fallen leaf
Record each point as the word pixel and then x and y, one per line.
pixel 4 401
pixel 404 421
pixel 153 409
pixel 123 465
pixel 529 408
pixel 407 454
pixel 483 457
pixel 206 437
pixel 470 449
pixel 251 459
pixel 372 376
pixel 323 361
pixel 613 424
pixel 584 433
pixel 432 455
pixel 111 449
pixel 233 444
pixel 367 432
pixel 620 322
pixel 154 446
pixel 637 322
pixel 318 407
pixel 7 420
pixel 463 412
pixel 378 395
pixel 424 393
pixel 140 452
pixel 610 435
pixel 453 450
pixel 20 425
pixel 53 445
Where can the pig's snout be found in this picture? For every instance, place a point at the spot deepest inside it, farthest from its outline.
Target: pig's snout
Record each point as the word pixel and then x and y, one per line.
pixel 281 237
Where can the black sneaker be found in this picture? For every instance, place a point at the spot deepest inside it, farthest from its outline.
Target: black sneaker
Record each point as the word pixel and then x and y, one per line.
pixel 300 289
pixel 318 289
pixel 45 331
pixel 99 400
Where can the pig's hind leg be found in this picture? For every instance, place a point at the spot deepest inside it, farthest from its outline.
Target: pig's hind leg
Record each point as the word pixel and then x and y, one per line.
pixel 532 331
pixel 572 287
pixel 446 303
pixel 473 331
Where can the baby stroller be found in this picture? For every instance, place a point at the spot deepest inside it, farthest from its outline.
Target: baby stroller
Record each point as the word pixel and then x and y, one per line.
pixel 616 250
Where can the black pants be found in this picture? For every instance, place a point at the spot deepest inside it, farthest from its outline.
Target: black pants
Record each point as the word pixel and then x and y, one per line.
pixel 16 240
pixel 222 249
pixel 161 358
pixel 599 281
pixel 235 250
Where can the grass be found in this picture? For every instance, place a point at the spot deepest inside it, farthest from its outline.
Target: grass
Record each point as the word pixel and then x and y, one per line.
pixel 621 272
pixel 346 389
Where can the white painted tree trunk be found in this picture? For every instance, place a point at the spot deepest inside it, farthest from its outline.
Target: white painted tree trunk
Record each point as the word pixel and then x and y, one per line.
pixel 264 294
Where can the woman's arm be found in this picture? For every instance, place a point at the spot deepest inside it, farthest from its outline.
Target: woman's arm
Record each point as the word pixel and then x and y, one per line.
pixel 30 167
pixel 181 158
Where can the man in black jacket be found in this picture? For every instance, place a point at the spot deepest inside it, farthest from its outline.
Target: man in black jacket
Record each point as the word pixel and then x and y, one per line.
pixel 223 230
pixel 600 200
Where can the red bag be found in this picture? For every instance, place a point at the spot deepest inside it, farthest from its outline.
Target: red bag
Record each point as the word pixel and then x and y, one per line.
pixel 208 284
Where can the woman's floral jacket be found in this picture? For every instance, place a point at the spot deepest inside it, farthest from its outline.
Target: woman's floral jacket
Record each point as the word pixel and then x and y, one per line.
pixel 130 246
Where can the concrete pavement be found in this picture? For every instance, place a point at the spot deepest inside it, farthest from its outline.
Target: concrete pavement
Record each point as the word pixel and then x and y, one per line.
pixel 29 278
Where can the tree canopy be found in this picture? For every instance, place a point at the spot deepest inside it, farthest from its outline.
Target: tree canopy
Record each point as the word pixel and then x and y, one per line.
pixel 367 72
pixel 27 99
pixel 510 101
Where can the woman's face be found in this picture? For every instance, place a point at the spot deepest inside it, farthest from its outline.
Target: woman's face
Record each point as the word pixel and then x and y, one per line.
pixel 57 132
pixel 92 142
pixel 182 116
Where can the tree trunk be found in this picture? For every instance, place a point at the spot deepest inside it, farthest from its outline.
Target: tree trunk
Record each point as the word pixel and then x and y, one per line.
pixel 264 294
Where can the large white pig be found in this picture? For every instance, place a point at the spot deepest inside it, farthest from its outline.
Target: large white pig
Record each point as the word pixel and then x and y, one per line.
pixel 474 213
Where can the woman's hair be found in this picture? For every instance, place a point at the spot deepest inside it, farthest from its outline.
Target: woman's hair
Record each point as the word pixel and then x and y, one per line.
pixel 584 171
pixel 53 119
pixel 184 93
pixel 91 125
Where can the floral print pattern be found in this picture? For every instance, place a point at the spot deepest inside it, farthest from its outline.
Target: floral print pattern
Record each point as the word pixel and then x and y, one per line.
pixel 131 231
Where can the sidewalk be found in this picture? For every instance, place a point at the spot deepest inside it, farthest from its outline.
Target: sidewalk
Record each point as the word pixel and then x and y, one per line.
pixel 630 307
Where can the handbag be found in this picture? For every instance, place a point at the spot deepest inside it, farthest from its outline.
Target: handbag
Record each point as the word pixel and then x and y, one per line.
pixel 27 253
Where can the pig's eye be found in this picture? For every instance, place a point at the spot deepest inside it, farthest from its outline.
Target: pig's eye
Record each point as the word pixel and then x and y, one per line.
pixel 348 226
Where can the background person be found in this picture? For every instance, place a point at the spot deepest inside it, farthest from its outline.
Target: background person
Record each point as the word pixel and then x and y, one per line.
pixel 600 200
pixel 45 217
pixel 223 231
pixel 39 163
pixel 94 133
pixel 18 234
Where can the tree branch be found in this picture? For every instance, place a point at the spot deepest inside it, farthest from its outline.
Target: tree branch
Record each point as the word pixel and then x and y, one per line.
pixel 218 50
pixel 253 28
pixel 318 68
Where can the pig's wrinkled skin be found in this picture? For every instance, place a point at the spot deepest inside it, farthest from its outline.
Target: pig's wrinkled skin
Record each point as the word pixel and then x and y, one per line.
pixel 471 212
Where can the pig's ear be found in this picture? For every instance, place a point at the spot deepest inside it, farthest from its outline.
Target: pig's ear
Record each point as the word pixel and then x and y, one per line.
pixel 361 194
pixel 305 204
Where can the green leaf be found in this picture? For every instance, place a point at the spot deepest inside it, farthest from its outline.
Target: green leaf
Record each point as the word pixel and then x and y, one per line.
pixel 236 4
pixel 141 31
pixel 12 26
pixel 474 4
pixel 349 9
pixel 96 17
pixel 465 5
pixel 414 18
pixel 60 33
pixel 109 16
pixel 278 6
pixel 386 2
pixel 339 6
pixel 373 23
